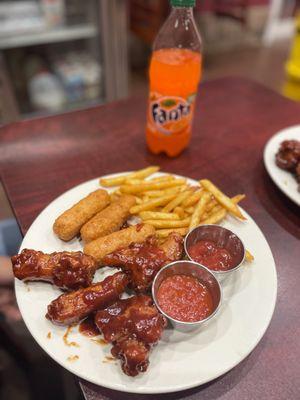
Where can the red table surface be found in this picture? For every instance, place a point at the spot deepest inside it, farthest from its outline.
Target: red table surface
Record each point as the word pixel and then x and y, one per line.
pixel 41 158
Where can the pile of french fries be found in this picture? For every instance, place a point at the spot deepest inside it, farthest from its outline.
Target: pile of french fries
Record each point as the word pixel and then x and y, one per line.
pixel 171 204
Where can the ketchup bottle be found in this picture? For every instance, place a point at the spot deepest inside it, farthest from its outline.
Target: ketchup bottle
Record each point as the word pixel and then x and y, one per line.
pixel 175 72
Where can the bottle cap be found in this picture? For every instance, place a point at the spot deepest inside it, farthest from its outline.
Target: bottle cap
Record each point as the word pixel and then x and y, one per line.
pixel 183 3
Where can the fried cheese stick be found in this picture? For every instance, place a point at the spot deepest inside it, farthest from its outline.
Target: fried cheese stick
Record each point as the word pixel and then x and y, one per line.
pixel 108 220
pixel 68 224
pixel 102 246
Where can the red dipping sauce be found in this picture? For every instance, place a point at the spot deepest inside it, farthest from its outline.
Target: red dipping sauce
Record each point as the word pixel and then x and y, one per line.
pixel 184 298
pixel 212 256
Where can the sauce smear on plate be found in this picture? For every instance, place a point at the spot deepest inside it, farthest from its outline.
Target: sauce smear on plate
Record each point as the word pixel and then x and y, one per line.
pixel 185 298
pixel 88 327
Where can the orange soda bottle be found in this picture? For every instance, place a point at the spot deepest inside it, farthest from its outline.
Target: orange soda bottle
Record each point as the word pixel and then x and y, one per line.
pixel 175 72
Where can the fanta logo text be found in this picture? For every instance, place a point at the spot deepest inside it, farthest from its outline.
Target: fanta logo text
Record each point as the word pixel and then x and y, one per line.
pixel 162 115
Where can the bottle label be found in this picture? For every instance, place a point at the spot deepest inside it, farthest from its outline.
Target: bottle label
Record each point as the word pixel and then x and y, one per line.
pixel 170 114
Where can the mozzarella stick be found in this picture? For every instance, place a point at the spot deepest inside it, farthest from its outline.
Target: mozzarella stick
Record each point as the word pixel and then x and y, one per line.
pixel 68 224
pixel 105 245
pixel 108 220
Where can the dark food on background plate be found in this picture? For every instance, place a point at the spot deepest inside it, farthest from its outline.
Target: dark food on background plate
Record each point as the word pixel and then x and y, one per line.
pixel 67 270
pixel 288 157
pixel 133 326
pixel 142 261
pixel 70 308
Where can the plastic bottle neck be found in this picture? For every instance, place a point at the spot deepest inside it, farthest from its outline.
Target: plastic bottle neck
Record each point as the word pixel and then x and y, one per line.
pixel 183 11
pixel 182 16
pixel 179 31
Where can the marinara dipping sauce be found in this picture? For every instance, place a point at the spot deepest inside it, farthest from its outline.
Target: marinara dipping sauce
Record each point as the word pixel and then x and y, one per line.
pixel 184 298
pixel 209 254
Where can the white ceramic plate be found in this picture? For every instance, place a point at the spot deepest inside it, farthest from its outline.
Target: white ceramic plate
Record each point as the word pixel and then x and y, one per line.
pixel 283 179
pixel 180 361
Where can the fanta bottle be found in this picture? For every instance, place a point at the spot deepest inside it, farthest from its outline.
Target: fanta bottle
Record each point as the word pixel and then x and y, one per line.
pixel 175 72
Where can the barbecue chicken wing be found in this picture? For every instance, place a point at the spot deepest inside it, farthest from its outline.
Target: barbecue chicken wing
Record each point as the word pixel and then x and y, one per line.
pixel 288 155
pixel 142 261
pixel 67 270
pixel 133 326
pixel 75 306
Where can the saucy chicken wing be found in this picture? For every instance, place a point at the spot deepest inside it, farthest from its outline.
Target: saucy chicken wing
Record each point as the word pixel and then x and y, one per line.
pixel 74 306
pixel 288 155
pixel 133 326
pixel 142 261
pixel 67 270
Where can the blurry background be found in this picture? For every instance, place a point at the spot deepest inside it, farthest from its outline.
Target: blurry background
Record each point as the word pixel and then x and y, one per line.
pixel 60 55
pixel 57 55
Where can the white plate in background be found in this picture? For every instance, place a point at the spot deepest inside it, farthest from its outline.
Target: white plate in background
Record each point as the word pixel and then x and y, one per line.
pixel 180 360
pixel 283 179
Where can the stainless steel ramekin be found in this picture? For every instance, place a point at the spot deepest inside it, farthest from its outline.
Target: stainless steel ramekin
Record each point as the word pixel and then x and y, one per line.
pixel 200 272
pixel 223 238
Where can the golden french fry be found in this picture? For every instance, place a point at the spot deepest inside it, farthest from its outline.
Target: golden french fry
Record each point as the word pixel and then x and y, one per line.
pixel 211 205
pixel 151 204
pixel 199 210
pixel 145 199
pixel 215 217
pixel 248 256
pixel 215 209
pixel 119 180
pixel 164 192
pixel 138 200
pixel 177 201
pixel 204 216
pixel 145 215
pixel 162 178
pixel 222 198
pixel 161 224
pixel 239 197
pixel 179 211
pixel 190 210
pixel 144 173
pixel 193 199
pixel 214 206
pixel 133 181
pixel 163 233
pixel 143 187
